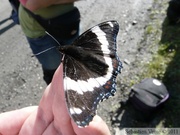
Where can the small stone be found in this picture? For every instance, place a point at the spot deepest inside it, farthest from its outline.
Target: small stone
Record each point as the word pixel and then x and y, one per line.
pixel 127 62
pixel 134 22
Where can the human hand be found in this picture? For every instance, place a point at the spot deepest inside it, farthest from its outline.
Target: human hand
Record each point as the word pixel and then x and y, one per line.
pixel 34 5
pixel 51 117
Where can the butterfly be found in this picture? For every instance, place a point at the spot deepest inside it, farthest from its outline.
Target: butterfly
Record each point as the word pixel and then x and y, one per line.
pixel 90 66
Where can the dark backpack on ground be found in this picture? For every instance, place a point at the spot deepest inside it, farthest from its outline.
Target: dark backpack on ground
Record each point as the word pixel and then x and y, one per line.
pixel 148 96
pixel 173 12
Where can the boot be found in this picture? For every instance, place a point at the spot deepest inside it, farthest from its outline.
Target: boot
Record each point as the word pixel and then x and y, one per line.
pixel 48 75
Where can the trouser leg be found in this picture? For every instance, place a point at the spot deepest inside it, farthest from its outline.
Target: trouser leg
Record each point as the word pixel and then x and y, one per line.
pixel 50 60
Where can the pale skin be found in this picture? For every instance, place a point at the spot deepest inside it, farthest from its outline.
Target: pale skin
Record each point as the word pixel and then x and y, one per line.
pixel 34 5
pixel 50 117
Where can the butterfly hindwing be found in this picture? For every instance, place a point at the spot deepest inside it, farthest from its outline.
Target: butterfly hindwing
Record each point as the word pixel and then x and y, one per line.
pixel 91 65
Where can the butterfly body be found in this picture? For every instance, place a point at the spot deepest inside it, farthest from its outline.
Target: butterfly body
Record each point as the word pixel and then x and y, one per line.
pixel 91 65
pixel 91 62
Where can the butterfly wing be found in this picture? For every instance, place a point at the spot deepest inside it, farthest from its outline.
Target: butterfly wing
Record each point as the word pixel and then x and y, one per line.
pixel 91 65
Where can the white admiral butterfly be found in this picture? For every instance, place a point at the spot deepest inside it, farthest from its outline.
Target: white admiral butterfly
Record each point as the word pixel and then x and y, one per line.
pixel 90 67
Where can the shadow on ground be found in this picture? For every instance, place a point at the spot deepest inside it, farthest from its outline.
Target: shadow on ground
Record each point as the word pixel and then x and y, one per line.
pixel 171 38
pixel 6 27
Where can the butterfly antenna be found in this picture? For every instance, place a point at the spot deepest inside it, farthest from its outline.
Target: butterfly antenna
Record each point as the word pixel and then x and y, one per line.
pixel 48 48
pixel 43 51
pixel 52 37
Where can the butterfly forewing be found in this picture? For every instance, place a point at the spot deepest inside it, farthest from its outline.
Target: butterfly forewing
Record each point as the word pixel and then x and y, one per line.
pixel 91 65
pixel 97 38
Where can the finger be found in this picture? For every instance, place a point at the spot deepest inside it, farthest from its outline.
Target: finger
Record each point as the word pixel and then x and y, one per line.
pixel 62 119
pixel 95 127
pixel 39 120
pixel 51 130
pixel 11 122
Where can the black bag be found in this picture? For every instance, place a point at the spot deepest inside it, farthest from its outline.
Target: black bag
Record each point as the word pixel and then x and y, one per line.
pixel 64 26
pixel 148 96
pixel 173 12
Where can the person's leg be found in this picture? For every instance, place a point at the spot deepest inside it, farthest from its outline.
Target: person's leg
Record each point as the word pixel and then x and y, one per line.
pixel 50 59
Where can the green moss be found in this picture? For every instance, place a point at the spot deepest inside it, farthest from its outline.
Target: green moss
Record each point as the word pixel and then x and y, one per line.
pixel 149 29
pixel 165 63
